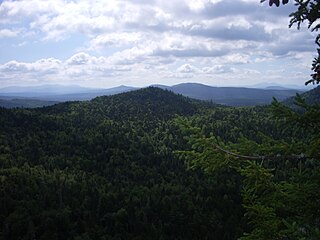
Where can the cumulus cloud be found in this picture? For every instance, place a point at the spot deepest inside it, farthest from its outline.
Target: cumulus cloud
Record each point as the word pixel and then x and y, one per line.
pixel 236 58
pixel 8 33
pixel 147 38
pixel 187 68
pixel 83 58
pixel 288 42
pixel 14 66
pixel 79 65
pixel 58 19
pixel 218 69
pixel 49 65
pixel 117 39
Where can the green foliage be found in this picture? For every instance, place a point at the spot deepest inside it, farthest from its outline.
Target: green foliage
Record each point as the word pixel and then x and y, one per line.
pixel 105 169
pixel 148 165
pixel 259 198
pixel 280 185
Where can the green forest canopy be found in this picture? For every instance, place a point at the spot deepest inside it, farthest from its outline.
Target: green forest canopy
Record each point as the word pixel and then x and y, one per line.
pixel 119 167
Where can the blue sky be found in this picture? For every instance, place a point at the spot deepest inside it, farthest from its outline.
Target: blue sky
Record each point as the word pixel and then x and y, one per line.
pixel 106 43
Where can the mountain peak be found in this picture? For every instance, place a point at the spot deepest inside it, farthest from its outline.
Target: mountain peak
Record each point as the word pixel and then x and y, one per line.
pixel 152 101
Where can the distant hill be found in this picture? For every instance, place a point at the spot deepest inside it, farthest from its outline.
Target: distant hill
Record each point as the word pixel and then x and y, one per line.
pixel 277 88
pixel 58 90
pixel 274 85
pixel 46 95
pixel 89 94
pixel 233 96
pixel 25 103
pixel 311 97
pixel 54 89
pixel 151 103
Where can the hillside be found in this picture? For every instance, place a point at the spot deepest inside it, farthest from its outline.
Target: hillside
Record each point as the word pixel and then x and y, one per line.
pixel 111 168
pixel 311 97
pixel 148 103
pixel 104 169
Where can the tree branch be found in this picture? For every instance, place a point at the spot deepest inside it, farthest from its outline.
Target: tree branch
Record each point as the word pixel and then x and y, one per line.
pixel 288 157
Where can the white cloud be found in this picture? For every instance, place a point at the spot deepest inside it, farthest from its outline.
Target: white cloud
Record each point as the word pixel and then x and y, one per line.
pixel 20 9
pixel 196 5
pixel 42 65
pixel 148 39
pixel 187 68
pixel 235 58
pixel 177 75
pixel 14 66
pixel 218 69
pixel 130 56
pixel 8 33
pixel 116 39
pixel 80 59
pixel 49 65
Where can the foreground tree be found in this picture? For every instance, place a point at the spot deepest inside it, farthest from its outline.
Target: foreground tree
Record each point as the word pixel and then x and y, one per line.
pixel 281 178
pixel 276 2
pixel 280 174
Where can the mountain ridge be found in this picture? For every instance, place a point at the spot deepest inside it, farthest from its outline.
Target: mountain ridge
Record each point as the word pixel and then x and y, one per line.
pixel 311 97
pixel 233 96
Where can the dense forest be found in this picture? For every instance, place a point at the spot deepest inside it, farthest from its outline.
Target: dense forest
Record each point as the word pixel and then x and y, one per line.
pixel 150 164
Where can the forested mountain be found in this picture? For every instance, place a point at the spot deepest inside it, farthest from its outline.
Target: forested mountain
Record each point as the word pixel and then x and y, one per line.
pixel 311 97
pixel 105 169
pixel 112 168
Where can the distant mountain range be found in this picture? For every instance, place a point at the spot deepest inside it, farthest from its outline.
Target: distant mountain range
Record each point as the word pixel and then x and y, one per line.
pixel 234 96
pixel 25 103
pixel 59 93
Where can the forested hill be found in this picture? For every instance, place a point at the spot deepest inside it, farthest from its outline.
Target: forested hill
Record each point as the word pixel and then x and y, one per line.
pixel 149 102
pixel 109 168
pixel 106 169
pixel 311 97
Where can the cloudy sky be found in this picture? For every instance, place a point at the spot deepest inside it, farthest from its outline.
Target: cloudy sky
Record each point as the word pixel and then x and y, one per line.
pixel 106 43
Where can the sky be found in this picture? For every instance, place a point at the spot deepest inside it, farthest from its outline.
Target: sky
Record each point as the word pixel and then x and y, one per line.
pixel 107 43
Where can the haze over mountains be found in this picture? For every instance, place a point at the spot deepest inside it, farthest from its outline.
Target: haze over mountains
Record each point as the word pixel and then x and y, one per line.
pixel 234 96
pixel 59 92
